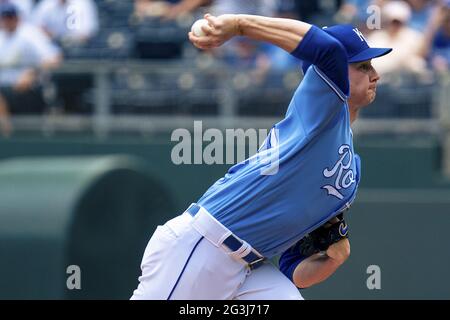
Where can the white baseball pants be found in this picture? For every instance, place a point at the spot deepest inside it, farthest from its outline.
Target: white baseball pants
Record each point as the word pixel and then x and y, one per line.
pixel 182 263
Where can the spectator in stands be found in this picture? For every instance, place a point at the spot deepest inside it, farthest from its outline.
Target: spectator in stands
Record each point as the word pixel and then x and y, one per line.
pixel 420 13
pixel 260 7
pixel 437 38
pixel 248 57
pixel 150 8
pixel 171 9
pixel 23 6
pixel 406 43
pixel 166 9
pixel 355 12
pixel 26 51
pixel 273 57
pixel 67 21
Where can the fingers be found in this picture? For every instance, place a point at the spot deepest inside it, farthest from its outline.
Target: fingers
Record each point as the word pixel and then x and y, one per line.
pixel 201 42
pixel 213 21
pixel 193 39
pixel 213 34
pixel 208 30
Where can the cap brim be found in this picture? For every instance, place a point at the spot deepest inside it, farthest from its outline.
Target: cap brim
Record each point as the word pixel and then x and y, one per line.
pixel 369 53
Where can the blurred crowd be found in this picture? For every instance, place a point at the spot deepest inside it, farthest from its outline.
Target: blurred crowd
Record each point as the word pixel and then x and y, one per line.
pixel 418 30
pixel 37 36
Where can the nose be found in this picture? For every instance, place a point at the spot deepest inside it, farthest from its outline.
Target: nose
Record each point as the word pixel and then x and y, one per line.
pixel 375 76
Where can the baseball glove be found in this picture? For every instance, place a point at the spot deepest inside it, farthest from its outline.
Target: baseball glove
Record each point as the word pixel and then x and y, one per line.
pixel 324 236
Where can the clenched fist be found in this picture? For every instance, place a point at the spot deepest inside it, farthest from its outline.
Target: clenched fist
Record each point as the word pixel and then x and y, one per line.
pixel 218 30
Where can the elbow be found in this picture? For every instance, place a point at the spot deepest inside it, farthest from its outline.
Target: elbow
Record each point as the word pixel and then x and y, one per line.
pixel 304 280
pixel 303 284
pixel 320 266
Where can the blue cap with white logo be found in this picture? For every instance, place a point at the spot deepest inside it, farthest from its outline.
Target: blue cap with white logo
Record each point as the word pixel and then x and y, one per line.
pixel 354 43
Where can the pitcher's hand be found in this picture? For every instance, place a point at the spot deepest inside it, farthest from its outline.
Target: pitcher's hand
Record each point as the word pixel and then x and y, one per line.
pixel 219 30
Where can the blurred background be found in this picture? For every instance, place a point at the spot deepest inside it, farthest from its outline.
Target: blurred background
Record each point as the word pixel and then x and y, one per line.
pixel 91 91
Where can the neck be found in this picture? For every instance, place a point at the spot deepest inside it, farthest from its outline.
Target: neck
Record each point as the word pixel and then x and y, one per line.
pixel 353 112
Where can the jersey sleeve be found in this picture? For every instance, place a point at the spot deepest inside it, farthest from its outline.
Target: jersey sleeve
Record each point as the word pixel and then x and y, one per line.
pixel 328 54
pixel 289 260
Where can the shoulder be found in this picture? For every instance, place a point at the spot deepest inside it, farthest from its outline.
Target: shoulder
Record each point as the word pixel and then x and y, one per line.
pixel 330 83
pixel 316 80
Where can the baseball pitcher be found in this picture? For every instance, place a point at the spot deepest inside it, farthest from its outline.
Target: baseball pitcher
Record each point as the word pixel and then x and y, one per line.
pixel 290 197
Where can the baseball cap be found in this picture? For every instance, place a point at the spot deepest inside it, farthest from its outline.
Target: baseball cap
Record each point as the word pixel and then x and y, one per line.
pixel 8 9
pixel 354 43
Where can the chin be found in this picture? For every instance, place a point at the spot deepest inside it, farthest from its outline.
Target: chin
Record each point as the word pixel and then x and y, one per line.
pixel 371 97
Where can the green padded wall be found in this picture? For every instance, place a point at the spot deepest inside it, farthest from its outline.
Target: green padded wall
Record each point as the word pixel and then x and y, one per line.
pixel 94 212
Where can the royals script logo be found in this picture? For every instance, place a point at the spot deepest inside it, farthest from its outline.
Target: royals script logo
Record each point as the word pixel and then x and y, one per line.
pixel 344 177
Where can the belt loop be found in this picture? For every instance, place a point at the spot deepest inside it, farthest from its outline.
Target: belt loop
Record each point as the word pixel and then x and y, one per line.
pixel 246 250
pixel 222 237
pixel 242 251
pixel 193 209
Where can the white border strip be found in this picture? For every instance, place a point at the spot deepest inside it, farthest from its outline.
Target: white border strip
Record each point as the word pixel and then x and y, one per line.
pixel 333 86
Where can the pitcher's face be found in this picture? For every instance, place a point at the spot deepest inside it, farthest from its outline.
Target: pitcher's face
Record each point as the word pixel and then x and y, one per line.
pixel 363 83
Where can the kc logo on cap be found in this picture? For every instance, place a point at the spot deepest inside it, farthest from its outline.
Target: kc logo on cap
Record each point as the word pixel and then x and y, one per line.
pixel 360 35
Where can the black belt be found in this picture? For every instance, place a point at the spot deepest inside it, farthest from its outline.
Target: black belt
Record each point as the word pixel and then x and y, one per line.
pixel 253 260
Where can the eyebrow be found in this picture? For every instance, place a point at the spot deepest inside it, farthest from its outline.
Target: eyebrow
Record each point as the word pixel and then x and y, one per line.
pixel 365 63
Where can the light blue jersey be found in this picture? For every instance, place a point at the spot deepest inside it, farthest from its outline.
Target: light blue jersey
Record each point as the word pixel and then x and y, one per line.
pixel 316 176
